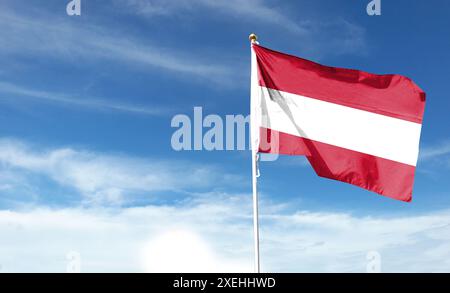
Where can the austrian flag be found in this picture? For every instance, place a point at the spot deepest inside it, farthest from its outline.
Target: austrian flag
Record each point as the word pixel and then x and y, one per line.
pixel 353 126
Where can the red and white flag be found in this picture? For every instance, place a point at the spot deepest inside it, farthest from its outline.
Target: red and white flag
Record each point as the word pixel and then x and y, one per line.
pixel 353 126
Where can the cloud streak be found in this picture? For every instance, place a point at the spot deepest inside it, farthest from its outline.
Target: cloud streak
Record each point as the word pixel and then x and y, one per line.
pixel 329 36
pixel 12 90
pixel 434 152
pixel 254 10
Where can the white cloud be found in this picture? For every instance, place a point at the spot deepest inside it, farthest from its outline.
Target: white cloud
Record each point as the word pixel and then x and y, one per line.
pixel 214 234
pixel 108 178
pixel 9 89
pixel 184 251
pixel 213 228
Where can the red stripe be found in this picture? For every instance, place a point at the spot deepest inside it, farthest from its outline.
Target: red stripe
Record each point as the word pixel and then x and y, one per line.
pixel 391 95
pixel 385 177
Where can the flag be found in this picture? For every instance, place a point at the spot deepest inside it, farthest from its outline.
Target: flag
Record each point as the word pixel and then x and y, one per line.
pixel 353 126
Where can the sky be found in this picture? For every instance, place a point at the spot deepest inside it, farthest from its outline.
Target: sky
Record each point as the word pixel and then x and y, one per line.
pixel 88 177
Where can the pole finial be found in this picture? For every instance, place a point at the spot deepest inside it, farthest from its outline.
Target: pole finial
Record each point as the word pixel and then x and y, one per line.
pixel 253 38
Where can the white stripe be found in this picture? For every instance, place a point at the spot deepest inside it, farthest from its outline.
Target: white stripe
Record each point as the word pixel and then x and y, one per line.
pixel 366 132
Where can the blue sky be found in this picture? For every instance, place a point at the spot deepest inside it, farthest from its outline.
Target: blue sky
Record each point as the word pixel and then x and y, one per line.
pixel 86 163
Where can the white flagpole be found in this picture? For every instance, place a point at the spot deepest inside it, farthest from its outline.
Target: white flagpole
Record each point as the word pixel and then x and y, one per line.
pixel 255 145
pixel 255 213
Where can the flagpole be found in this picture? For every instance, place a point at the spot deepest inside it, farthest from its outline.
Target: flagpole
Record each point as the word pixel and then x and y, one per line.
pixel 253 40
pixel 255 212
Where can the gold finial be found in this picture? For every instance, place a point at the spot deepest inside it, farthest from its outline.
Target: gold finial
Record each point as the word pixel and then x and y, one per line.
pixel 253 38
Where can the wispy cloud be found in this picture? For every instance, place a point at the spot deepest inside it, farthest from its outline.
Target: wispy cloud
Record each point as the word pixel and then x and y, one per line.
pixel 168 238
pixel 251 10
pixel 436 151
pixel 10 92
pixel 102 178
pixel 54 37
pixel 329 35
